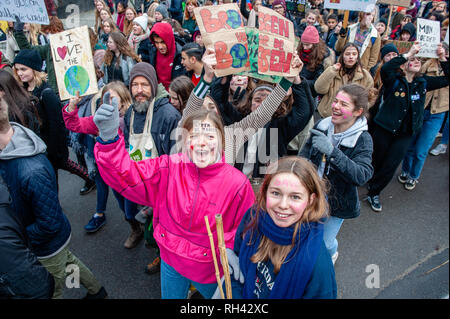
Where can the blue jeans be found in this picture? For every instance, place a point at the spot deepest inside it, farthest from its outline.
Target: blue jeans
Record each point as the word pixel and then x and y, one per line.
pixel 175 286
pixel 330 230
pixel 444 139
pixel 128 207
pixel 420 145
pixel 102 193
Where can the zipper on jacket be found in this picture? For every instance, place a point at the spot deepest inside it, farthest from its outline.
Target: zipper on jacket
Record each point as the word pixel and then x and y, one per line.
pixel 195 199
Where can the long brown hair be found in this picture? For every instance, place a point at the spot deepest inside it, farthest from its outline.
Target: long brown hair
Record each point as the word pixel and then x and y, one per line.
pixel 315 211
pixel 55 26
pixel 316 56
pixel 186 13
pixel 128 25
pixel 183 87
pixel 112 25
pixel 349 71
pixel 123 46
pixel 97 13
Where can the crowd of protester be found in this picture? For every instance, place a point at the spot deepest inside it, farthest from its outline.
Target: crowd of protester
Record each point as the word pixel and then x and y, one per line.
pixel 282 162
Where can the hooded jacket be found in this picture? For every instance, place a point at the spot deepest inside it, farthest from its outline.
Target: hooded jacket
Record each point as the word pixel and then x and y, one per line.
pixel 348 166
pixel 32 183
pixel 168 66
pixel 181 195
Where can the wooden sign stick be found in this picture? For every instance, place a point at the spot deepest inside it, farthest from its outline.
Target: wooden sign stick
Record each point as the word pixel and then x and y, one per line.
pixel 223 255
pixel 388 28
pixel 213 250
pixel 345 22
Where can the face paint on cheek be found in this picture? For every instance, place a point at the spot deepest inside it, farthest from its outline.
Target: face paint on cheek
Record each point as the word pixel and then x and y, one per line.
pixel 298 208
pixel 346 113
pixel 344 97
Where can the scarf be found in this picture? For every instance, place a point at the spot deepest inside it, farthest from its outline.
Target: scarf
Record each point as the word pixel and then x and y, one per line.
pixel 304 55
pixel 296 270
pixel 134 40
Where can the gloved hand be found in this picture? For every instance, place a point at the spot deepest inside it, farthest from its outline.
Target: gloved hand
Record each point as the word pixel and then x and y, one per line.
pixel 321 142
pixel 343 32
pixel 18 25
pixel 107 118
pixel 233 262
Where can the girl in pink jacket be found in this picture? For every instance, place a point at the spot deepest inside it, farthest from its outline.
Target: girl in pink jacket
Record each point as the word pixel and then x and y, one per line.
pixel 182 189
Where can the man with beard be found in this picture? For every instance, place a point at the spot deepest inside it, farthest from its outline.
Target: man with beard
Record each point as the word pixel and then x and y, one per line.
pixel 148 125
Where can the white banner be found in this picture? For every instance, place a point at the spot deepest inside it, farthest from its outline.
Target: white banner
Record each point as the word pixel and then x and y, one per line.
pixel 353 5
pixel 428 35
pixel 29 11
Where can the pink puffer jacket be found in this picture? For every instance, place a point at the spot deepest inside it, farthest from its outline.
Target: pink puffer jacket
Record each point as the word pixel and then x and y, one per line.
pixel 181 194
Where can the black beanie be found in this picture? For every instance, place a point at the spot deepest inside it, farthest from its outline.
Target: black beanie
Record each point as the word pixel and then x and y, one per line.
pixel 29 58
pixel 388 48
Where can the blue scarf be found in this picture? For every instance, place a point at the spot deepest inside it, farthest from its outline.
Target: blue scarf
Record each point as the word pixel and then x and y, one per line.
pixel 297 268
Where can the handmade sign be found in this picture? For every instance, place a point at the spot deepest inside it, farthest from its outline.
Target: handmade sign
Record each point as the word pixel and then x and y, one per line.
pixel 353 5
pixel 400 3
pixel 74 65
pixel 222 28
pixel 402 46
pixel 428 35
pixel 253 44
pixel 29 11
pixel 276 44
pixel 446 37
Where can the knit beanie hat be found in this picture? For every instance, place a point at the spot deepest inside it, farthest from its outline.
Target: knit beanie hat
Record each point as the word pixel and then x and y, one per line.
pixel 410 28
pixel 388 48
pixel 282 2
pixel 142 21
pixel 383 20
pixel 29 58
pixel 163 10
pixel 147 71
pixel 310 35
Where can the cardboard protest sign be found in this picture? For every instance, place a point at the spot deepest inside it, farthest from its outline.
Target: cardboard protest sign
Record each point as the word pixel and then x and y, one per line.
pixel 30 11
pixel 74 65
pixel 276 44
pixel 446 37
pixel 402 46
pixel 428 35
pixel 222 28
pixel 400 3
pixel 353 5
pixel 253 44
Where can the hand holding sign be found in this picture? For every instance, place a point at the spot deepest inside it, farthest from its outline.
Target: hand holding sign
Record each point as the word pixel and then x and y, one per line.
pixel 209 64
pixel 441 53
pixel 414 50
pixel 296 65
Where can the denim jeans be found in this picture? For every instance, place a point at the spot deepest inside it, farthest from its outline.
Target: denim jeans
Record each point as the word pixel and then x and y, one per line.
pixel 175 286
pixel 444 139
pixel 330 230
pixel 102 193
pixel 420 145
pixel 128 207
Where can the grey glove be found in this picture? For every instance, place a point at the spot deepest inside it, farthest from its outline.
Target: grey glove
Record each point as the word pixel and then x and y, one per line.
pixel 18 25
pixel 233 262
pixel 321 142
pixel 107 118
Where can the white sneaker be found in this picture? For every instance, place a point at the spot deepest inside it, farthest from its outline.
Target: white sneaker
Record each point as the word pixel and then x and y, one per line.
pixel 334 257
pixel 440 149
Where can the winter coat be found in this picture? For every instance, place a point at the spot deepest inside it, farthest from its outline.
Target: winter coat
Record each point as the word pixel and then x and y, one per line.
pixel 329 83
pixel 22 276
pixel 438 98
pixel 370 49
pixel 181 195
pixel 404 103
pixel 32 184
pixel 126 64
pixel 176 10
pixel 348 167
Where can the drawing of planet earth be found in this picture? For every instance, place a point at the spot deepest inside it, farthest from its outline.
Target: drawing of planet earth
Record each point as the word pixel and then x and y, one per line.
pixel 76 79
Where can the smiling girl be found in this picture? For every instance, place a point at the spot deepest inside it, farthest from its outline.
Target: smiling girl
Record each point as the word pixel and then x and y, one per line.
pixel 280 240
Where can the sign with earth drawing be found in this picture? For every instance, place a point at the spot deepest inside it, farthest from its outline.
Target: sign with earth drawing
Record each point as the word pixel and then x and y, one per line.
pixel 74 64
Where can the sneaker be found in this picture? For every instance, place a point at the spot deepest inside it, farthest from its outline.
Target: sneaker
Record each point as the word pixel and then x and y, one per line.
pixel 374 202
pixel 88 187
pixel 95 223
pixel 154 267
pixel 411 184
pixel 440 149
pixel 101 294
pixel 334 257
pixel 403 178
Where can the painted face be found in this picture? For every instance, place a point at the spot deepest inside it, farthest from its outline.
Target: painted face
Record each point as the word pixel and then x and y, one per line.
pixel 141 89
pixel 350 56
pixel 388 57
pixel 186 61
pixel 381 27
pixel 331 23
pixel 258 98
pixel 25 73
pixel 174 99
pixel 344 110
pixel 203 143
pixel 238 81
pixel 310 19
pixel 160 44
pixel 209 104
pixel 129 15
pixel 287 199
pixel 137 29
pixel 414 64
pixel 158 16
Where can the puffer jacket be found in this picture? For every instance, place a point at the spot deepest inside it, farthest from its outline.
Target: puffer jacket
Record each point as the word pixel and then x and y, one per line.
pixel 181 195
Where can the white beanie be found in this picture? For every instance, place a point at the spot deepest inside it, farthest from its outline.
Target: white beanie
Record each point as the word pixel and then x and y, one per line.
pixel 142 21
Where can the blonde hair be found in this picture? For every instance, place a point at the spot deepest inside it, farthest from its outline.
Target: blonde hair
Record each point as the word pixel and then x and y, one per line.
pixel 34 30
pixel 97 14
pixel 315 211
pixel 39 77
